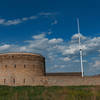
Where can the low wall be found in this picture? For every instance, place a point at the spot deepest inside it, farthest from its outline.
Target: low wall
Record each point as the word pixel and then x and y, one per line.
pixel 72 80
pixel 53 81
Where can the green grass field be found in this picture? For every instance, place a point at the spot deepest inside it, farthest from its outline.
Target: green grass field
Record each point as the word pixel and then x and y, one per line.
pixel 50 93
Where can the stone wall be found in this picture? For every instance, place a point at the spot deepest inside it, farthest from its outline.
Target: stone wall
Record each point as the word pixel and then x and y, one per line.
pixel 72 80
pixel 18 69
pixel 21 68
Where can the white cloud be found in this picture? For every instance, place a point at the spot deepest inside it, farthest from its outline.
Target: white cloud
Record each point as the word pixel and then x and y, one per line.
pixel 4 47
pixel 29 18
pixel 65 59
pixel 59 53
pixel 33 17
pixel 76 36
pixel 40 36
pixel 12 22
pixel 71 49
pixel 98 50
pixel 21 20
pixel 16 21
pixel 46 14
pixel 93 42
pixel 55 41
pixel 77 61
pixel 23 48
pixel 25 18
pixel 97 64
pixel 2 21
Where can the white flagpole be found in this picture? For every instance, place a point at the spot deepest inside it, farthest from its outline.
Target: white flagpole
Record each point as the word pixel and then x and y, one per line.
pixel 81 58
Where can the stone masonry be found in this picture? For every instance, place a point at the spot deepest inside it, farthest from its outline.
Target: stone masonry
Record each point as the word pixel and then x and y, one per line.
pixel 18 69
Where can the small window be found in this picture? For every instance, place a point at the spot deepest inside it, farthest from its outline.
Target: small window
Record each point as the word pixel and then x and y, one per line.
pixel 12 56
pixel 5 66
pixel 24 81
pixel 4 81
pixel 24 66
pixel 14 81
pixel 15 65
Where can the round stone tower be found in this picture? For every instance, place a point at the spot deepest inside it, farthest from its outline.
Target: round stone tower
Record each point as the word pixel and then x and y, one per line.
pixel 21 69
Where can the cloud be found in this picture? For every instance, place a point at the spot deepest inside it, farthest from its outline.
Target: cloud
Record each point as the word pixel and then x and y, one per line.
pixel 47 14
pixel 16 21
pixel 76 36
pixel 5 47
pixel 54 22
pixel 60 55
pixel 98 50
pixel 40 36
pixel 12 22
pixel 55 41
pixel 77 61
pixel 2 21
pixel 65 59
pixel 97 64
pixel 21 20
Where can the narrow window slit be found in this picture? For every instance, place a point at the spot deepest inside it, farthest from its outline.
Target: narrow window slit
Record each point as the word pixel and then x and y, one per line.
pixel 24 66
pixel 24 81
pixel 5 66
pixel 4 81
pixel 14 81
pixel 15 65
pixel 12 56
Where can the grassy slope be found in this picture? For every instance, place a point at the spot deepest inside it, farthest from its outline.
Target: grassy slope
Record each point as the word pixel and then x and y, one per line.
pixel 50 93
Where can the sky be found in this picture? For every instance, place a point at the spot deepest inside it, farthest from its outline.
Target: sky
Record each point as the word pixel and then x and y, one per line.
pixel 49 28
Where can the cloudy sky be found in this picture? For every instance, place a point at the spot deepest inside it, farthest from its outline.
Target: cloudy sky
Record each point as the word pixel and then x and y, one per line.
pixel 49 27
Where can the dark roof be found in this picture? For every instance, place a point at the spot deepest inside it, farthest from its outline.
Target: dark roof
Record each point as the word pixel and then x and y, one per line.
pixel 64 74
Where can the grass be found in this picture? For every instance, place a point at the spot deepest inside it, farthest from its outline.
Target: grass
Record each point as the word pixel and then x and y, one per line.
pixel 50 93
